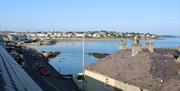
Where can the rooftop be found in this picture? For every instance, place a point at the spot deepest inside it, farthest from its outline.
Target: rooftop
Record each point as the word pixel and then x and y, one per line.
pixel 153 71
pixel 12 76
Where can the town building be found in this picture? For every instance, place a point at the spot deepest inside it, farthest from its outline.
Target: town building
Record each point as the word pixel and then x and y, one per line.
pixel 11 37
pixel 2 42
pixel 22 37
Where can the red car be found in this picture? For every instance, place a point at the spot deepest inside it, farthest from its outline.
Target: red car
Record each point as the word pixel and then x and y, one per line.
pixel 43 70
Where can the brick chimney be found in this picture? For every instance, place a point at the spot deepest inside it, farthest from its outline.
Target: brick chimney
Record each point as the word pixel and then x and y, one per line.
pixel 136 47
pixel 122 45
pixel 149 44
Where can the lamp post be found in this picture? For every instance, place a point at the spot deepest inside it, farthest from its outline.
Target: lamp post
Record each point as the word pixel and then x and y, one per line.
pixel 83 53
pixel 83 58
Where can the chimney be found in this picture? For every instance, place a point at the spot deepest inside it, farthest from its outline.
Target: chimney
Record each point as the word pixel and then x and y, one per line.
pixel 136 47
pixel 177 56
pixel 149 45
pixel 122 45
pixel 178 72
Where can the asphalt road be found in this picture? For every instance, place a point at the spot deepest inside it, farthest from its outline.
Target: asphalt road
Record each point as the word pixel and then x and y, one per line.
pixel 53 82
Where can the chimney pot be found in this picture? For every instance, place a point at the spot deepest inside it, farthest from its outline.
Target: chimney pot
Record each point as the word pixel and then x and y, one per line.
pixel 149 45
pixel 122 45
pixel 136 47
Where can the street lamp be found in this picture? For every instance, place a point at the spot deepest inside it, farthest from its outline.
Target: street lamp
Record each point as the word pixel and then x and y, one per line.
pixel 83 53
pixel 83 58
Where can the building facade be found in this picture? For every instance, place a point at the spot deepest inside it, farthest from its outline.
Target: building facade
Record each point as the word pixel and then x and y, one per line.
pixel 98 82
pixel 2 42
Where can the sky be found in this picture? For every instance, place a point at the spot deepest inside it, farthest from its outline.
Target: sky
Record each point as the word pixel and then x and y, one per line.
pixel 154 16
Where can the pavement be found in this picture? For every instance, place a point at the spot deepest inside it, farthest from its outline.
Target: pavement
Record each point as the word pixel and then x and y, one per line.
pixel 53 82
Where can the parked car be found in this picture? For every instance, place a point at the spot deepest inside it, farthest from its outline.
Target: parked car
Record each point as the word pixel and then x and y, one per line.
pixel 34 59
pixel 43 70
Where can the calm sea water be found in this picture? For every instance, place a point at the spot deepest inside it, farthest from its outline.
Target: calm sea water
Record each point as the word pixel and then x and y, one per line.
pixel 70 59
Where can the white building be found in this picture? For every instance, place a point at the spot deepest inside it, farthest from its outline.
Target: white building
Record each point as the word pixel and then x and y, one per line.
pixel 22 37
pixel 41 35
pixel 12 37
pixel 79 34
pixel 96 35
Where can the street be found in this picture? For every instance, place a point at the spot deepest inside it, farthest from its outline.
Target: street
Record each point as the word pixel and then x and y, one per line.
pixel 52 82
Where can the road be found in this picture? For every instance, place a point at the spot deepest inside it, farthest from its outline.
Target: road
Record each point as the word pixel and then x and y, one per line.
pixel 53 82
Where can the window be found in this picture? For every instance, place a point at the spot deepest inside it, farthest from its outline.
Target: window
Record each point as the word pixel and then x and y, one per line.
pixel 141 89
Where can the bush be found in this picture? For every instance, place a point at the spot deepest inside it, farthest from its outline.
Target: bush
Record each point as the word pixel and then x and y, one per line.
pixel 19 50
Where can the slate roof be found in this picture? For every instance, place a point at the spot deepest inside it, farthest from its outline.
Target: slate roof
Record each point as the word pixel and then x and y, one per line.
pixel 153 71
pixel 12 76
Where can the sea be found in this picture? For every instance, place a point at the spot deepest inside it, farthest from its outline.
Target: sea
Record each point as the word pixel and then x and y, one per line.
pixel 70 61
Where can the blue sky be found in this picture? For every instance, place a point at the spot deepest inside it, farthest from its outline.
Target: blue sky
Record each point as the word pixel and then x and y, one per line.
pixel 155 16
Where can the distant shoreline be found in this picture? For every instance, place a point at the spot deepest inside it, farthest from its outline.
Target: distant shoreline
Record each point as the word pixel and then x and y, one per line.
pixel 80 39
pixel 54 41
pixel 169 36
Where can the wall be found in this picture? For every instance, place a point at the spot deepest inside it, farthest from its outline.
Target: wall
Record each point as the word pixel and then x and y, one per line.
pixel 3 44
pixel 98 82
